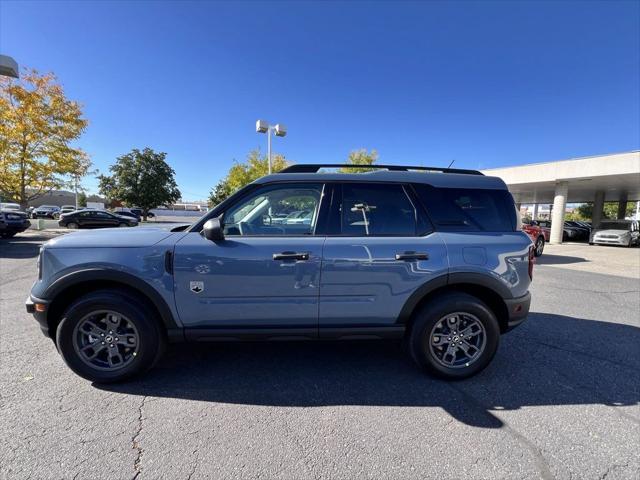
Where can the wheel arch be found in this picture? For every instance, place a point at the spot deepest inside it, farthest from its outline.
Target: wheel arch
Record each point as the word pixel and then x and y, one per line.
pixel 488 290
pixel 64 290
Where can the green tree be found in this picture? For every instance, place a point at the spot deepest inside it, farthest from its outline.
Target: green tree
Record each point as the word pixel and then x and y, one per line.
pixel 243 173
pixel 360 157
pixel 141 179
pixel 37 127
pixel 219 193
pixel 609 211
pixel 82 199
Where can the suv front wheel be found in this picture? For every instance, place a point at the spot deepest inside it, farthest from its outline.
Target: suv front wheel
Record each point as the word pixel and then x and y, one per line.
pixel 109 336
pixel 454 336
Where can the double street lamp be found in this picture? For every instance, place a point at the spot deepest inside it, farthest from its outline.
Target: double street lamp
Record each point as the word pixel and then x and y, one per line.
pixel 263 127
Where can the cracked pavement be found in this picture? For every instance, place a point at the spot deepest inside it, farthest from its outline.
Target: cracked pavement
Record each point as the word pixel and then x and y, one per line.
pixel 560 400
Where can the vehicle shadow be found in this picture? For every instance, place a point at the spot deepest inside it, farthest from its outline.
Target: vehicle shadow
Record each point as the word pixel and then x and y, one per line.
pixel 546 259
pixel 551 360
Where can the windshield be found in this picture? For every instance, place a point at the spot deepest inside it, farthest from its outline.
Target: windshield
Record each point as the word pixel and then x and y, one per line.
pixel 614 226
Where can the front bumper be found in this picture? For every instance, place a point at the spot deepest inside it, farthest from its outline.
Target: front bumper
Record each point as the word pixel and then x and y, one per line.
pixel 518 309
pixel 16 227
pixel 610 240
pixel 39 309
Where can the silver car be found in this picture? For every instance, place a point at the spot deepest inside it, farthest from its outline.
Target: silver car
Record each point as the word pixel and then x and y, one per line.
pixel 616 232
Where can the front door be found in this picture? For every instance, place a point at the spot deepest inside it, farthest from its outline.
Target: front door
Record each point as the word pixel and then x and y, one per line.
pixel 380 250
pixel 265 273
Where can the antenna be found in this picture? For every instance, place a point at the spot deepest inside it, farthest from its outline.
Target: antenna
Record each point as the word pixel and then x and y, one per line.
pixel 451 163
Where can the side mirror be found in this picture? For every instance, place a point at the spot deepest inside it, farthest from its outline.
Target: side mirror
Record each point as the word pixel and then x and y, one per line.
pixel 212 230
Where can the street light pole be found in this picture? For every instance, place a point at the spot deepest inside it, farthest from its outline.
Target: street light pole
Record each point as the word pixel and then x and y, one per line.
pixel 263 127
pixel 269 149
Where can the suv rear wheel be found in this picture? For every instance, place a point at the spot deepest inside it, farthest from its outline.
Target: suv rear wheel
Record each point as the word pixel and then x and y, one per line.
pixel 109 336
pixel 454 336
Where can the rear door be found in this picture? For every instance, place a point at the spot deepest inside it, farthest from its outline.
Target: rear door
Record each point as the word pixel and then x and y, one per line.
pixel 104 219
pixel 380 249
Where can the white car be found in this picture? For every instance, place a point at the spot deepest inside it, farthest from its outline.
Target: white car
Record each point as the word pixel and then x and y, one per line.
pixel 616 232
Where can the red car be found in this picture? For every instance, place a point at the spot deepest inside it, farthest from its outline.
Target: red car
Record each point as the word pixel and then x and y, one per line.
pixel 539 235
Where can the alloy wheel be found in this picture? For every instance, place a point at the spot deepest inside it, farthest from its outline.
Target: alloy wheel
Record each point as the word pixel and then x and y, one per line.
pixel 106 340
pixel 457 340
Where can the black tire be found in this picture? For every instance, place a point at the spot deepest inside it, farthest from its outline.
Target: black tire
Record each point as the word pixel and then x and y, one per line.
pixel 539 246
pixel 150 344
pixel 434 312
pixel 123 224
pixel 72 226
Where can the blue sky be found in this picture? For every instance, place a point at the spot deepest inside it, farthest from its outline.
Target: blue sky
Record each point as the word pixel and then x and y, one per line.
pixel 485 83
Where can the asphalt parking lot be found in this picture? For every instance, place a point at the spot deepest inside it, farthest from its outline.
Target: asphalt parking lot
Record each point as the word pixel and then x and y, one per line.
pixel 560 400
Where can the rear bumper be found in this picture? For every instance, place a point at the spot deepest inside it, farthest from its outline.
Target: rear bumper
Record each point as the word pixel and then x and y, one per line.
pixel 518 309
pixel 39 309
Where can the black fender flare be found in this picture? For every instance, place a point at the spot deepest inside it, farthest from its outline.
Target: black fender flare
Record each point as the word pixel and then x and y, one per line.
pixel 451 279
pixel 116 276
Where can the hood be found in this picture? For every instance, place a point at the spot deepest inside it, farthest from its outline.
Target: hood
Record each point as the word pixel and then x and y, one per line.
pixel 611 232
pixel 111 238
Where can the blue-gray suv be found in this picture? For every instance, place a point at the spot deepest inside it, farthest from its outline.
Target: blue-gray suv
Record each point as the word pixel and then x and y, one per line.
pixel 432 256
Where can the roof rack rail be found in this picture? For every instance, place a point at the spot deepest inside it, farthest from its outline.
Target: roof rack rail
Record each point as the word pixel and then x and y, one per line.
pixel 315 167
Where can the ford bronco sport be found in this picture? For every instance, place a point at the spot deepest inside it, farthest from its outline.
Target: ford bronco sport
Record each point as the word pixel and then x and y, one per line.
pixel 434 256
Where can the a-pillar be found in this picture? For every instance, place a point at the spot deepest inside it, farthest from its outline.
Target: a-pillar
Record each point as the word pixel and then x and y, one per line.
pixel 557 216
pixel 535 211
pixel 598 207
pixel 622 206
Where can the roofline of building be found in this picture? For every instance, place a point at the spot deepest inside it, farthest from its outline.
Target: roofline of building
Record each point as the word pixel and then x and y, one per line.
pixel 547 162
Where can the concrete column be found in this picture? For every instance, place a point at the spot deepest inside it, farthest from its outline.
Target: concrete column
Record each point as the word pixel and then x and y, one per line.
pixel 598 207
pixel 535 211
pixel 557 215
pixel 622 206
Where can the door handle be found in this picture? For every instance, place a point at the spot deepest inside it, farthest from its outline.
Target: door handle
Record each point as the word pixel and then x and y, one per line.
pixel 412 256
pixel 291 256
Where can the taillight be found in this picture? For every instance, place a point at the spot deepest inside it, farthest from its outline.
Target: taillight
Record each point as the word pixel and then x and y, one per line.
pixel 532 260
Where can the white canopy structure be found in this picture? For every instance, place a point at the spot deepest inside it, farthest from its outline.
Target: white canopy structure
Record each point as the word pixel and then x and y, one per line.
pixel 614 177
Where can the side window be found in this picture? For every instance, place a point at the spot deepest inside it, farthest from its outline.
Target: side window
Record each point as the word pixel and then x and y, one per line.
pixel 85 214
pixel 102 215
pixel 458 209
pixel 287 209
pixel 376 209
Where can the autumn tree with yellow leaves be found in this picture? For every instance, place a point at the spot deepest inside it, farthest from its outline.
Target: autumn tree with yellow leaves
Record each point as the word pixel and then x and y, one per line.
pixel 37 127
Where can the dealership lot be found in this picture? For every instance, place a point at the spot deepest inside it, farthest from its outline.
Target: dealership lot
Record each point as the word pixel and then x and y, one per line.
pixel 560 400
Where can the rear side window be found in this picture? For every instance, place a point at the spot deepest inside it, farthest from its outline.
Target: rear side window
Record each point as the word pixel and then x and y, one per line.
pixel 472 209
pixel 376 210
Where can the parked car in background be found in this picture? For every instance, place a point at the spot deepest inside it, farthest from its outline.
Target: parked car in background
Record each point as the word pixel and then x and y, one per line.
pixel 10 206
pixel 616 232
pixel 67 209
pixel 568 232
pixel 46 211
pixel 126 213
pixel 537 235
pixel 138 211
pixel 90 218
pixel 435 257
pixel 582 231
pixel 12 222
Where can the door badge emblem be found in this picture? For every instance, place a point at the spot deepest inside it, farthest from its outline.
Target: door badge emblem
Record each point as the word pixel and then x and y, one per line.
pixel 196 287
